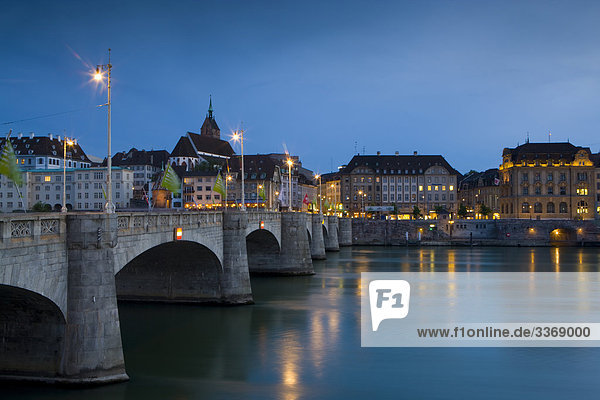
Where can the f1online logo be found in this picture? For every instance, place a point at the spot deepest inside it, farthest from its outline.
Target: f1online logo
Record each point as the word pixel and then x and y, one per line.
pixel 389 299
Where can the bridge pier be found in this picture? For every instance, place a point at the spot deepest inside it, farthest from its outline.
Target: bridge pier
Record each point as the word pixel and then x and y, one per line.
pixel 345 232
pixel 332 243
pixel 295 250
pixel 93 351
pixel 235 279
pixel 317 250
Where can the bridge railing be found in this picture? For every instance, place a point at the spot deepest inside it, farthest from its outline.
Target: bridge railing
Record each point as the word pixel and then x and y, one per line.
pixel 20 229
pixel 137 222
pixel 264 216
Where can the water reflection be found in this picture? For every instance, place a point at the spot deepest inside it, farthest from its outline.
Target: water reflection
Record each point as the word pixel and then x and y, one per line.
pixel 302 340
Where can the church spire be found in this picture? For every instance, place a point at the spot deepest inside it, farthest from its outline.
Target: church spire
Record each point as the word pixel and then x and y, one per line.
pixel 210 109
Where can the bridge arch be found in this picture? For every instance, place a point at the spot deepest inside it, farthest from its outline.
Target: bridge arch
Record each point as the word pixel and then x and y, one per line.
pixel 174 271
pixel 32 335
pixel 264 252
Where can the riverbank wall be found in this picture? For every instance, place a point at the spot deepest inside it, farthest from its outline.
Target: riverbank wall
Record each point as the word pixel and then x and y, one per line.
pixel 504 232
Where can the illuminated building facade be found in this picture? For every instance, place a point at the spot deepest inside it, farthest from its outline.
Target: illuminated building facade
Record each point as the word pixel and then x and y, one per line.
pixel 547 181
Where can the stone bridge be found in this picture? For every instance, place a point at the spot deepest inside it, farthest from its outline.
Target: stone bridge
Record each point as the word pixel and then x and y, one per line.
pixel 61 275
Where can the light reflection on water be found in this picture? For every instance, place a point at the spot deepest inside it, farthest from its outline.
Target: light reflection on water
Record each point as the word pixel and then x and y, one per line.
pixel 301 340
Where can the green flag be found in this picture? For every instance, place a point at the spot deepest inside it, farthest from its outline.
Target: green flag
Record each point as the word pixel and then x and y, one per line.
pixel 9 166
pixel 261 192
pixel 170 180
pixel 218 186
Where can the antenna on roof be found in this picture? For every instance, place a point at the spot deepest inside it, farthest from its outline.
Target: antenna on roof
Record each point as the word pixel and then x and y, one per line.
pixel 355 147
pixel 364 150
pixel 549 135
pixel 527 137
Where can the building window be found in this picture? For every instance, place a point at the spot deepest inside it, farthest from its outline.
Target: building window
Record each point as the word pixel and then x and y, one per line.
pixel 550 208
pixel 537 208
pixel 562 208
pixel 525 191
pixel 550 177
pixel 538 190
pixel 582 207
pixel 525 177
pixel 563 177
pixel 525 207
pixel 47 178
pixel 582 191
pixel 563 191
pixel 550 189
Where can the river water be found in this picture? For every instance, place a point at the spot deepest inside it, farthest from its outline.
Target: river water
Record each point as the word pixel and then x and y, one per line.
pixel 301 340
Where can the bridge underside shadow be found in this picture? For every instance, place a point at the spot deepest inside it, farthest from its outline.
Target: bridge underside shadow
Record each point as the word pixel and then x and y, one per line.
pixel 173 272
pixel 32 335
pixel 264 254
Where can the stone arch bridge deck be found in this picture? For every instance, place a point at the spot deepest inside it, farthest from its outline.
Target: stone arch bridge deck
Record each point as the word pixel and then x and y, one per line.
pixel 61 274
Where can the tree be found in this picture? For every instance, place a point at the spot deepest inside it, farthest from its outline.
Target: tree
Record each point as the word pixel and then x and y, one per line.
pixel 416 212
pixel 41 207
pixel 462 211
pixel 485 210
pixel 439 210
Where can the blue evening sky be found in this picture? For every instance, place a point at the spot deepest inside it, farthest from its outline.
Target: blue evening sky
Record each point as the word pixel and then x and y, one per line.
pixel 459 78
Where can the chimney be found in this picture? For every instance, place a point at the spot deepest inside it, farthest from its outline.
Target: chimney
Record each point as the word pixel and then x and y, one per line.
pixel 397 153
pixel 50 136
pixel 58 137
pixel 31 135
pixel 414 153
pixel 20 135
pixel 378 153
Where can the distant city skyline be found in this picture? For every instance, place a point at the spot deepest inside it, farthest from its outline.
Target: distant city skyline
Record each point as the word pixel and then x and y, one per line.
pixel 325 80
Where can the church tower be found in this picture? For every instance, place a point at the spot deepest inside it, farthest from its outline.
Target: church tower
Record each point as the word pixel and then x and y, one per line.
pixel 210 127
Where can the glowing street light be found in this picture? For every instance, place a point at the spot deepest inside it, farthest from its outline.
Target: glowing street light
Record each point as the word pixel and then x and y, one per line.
pixel 239 135
pixel 290 163
pixel 228 179
pixel 334 199
pixel 317 176
pixel 258 187
pixel 66 142
pixel 109 207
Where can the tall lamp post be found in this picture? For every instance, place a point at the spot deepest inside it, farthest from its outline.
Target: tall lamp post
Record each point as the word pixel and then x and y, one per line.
pixel 290 163
pixel 227 180
pixel 317 176
pixel 334 199
pixel 66 142
pixel 98 76
pixel 239 135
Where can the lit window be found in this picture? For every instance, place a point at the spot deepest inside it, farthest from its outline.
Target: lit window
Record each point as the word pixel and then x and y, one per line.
pixel 46 179
pixel 451 187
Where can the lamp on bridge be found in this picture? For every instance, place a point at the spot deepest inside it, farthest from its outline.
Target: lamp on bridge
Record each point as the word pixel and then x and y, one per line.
pixel 239 135
pixel 290 163
pixel 99 76
pixel 317 176
pixel 66 142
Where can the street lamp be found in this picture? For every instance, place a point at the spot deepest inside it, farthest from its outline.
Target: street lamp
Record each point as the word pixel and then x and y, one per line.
pixel 334 199
pixel 258 187
pixel 239 135
pixel 362 201
pixel 66 142
pixel 317 176
pixel 227 180
pixel 98 76
pixel 290 163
